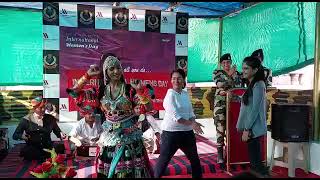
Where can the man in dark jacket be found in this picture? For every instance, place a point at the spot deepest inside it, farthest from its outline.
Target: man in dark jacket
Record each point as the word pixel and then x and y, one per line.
pixel 35 128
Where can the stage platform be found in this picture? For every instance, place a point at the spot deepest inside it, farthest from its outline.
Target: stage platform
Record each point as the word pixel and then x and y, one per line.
pixel 13 166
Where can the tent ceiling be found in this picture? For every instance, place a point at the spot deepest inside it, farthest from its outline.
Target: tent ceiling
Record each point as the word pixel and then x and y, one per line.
pixel 195 9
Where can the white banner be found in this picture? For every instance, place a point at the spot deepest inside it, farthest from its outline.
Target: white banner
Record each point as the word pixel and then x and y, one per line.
pixel 51 38
pixel 51 85
pixel 137 20
pixel 181 44
pixel 103 17
pixel 168 22
pixel 68 15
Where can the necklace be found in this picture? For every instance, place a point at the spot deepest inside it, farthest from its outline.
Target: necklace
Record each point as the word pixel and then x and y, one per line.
pixel 114 93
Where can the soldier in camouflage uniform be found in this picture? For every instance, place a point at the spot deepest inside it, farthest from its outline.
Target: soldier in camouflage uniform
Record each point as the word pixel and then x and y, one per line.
pixel 268 73
pixel 225 79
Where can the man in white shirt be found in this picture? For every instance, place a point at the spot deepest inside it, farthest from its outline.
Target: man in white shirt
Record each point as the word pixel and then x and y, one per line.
pixel 87 130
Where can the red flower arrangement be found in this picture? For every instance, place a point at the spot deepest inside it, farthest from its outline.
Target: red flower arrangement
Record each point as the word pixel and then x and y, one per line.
pixel 53 167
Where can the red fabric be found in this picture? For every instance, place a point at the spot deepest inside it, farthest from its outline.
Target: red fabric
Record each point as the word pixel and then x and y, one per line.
pixel 68 152
pixel 86 75
pixel 30 168
pixel 183 170
pixel 207 175
pixel 148 164
pixel 208 161
pixel 17 171
pixel 171 168
pixel 73 76
pixel 82 101
pixel 159 81
pixel 13 166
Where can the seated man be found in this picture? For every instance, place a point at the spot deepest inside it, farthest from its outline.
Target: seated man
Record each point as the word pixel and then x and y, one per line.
pixel 35 128
pixel 152 135
pixel 88 130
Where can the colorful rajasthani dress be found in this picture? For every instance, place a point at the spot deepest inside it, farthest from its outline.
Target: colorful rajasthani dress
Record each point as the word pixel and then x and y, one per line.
pixel 122 153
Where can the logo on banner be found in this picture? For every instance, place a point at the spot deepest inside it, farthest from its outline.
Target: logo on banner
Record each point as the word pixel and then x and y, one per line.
pixel 179 43
pixel 153 22
pixel 182 24
pixel 99 15
pixel 45 35
pixel 121 19
pixel 182 64
pixel 63 107
pixel 164 19
pixel 45 82
pixel 133 17
pixel 86 17
pixel 50 14
pixel 64 12
pixel 50 61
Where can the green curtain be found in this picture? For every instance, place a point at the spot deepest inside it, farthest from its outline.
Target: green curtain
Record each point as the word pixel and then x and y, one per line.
pixel 284 30
pixel 203 41
pixel 20 47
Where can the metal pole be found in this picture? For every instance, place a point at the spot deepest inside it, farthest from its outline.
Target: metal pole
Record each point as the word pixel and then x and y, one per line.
pixel 316 121
pixel 220 41
pixel 242 9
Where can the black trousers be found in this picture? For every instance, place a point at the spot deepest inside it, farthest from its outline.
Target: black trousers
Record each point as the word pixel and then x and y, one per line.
pixel 254 148
pixel 170 143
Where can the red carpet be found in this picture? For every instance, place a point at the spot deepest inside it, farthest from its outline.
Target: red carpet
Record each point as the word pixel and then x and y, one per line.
pixel 208 175
pixel 179 167
pixel 281 172
pixel 278 172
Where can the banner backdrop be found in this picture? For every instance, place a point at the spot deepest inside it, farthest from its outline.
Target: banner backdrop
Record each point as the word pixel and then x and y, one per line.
pixel 159 81
pixel 149 44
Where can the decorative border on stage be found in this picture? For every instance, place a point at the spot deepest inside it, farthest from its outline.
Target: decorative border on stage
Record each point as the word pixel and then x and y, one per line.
pixel 56 15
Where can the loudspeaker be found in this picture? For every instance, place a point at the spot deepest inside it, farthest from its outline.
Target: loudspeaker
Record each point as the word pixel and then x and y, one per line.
pixel 290 122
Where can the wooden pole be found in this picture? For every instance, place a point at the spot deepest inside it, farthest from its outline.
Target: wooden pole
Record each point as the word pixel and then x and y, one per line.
pixel 316 83
pixel 220 41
